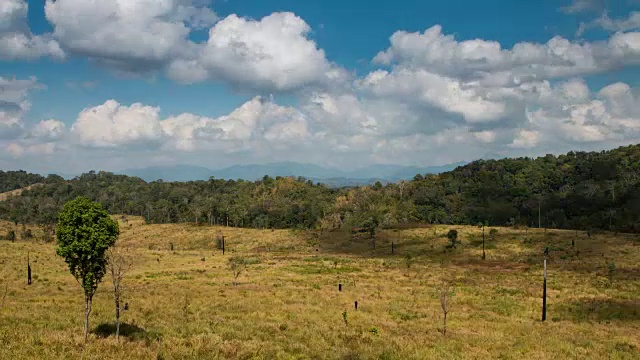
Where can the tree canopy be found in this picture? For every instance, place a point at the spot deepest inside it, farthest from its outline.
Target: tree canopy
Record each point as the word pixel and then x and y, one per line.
pixel 85 232
pixel 578 190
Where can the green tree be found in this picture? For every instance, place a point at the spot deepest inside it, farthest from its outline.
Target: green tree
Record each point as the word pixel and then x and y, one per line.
pixel 85 232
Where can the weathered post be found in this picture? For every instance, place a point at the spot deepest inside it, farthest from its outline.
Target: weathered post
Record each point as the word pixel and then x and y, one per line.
pixel 483 255
pixel 28 270
pixel 544 289
pixel 356 304
pixel 339 287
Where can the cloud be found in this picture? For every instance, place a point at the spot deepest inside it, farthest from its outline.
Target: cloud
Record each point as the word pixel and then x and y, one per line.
pixel 272 53
pixel 526 139
pixel 487 63
pixel 13 105
pixel 16 41
pixel 112 125
pixel 444 93
pixel 139 126
pixel 48 130
pixel 131 36
pixel 250 126
pixel 609 115
pixel 632 22
pixel 582 6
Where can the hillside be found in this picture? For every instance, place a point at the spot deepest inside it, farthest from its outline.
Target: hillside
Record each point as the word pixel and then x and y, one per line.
pixel 578 190
pixel 184 303
pixel 14 180
pixel 14 193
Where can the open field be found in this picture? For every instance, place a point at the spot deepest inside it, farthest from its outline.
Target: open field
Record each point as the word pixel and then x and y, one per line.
pixel 5 195
pixel 183 303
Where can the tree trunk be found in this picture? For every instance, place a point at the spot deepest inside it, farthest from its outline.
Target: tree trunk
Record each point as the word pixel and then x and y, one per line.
pixel 444 329
pixel 87 311
pixel 539 222
pixel 483 255
pixel 117 318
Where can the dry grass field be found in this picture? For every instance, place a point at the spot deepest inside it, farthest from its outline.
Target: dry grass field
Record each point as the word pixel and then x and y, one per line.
pixel 184 303
pixel 5 195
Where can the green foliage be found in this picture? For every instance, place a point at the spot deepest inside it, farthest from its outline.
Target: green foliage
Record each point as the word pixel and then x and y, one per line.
pixel 85 232
pixel 493 233
pixel 237 265
pixel 579 190
pixel 408 260
pixel 452 235
pixel 13 180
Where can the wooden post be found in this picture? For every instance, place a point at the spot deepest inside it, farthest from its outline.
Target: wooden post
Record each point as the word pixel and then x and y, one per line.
pixel 356 303
pixel 223 244
pixel 28 270
pixel 392 249
pixel 483 255
pixel 544 289
pixel 339 287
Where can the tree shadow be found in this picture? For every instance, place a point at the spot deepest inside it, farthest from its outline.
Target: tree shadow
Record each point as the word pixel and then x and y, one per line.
pixel 130 331
pixel 589 309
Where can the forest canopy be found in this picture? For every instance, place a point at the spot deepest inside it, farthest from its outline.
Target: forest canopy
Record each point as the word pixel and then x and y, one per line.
pixel 578 190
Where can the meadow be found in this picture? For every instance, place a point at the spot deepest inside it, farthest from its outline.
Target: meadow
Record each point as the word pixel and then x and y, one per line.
pixel 185 303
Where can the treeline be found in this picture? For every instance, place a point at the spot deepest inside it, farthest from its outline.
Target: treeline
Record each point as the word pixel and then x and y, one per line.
pixel 272 203
pixel 13 180
pixel 579 190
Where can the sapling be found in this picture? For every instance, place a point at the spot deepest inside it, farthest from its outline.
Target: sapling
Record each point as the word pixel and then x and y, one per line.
pixel 444 290
pixel 408 260
pixel 119 263
pixel 237 265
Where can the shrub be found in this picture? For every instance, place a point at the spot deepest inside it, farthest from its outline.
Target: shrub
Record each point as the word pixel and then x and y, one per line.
pixel 11 235
pixel 408 260
pixel 493 233
pixel 452 235
pixel 26 234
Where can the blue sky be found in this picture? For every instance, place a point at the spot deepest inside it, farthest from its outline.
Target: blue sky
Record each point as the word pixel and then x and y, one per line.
pixel 224 82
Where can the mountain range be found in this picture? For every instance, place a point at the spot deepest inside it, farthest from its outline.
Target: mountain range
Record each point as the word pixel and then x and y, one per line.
pixel 333 177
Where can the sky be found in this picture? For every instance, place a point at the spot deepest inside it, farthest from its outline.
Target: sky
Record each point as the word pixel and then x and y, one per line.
pixel 116 84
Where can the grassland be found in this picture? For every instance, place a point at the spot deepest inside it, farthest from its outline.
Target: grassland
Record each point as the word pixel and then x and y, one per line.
pixel 183 303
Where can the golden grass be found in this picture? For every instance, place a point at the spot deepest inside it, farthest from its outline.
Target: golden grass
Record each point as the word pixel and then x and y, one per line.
pixel 287 304
pixel 5 195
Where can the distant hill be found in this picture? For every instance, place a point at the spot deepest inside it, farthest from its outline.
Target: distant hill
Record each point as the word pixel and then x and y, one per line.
pixel 332 177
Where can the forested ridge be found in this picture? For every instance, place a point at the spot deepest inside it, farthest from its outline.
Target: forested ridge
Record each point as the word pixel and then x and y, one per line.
pixel 578 190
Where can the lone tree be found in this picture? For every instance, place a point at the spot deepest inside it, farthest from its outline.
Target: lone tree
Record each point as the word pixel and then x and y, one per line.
pixel 85 232
pixel 119 263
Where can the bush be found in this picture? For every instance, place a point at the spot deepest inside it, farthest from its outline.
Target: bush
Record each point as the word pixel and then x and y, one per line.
pixel 452 235
pixel 493 233
pixel 11 235
pixel 26 234
pixel 219 241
